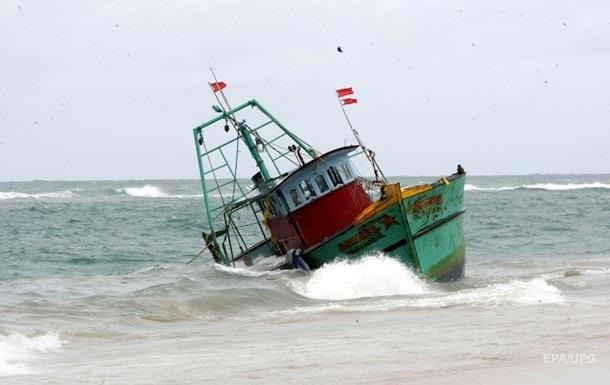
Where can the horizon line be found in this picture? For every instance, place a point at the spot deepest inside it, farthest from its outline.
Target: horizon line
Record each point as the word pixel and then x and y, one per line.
pixel 197 179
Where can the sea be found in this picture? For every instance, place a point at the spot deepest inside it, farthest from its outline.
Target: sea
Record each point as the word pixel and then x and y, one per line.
pixel 95 289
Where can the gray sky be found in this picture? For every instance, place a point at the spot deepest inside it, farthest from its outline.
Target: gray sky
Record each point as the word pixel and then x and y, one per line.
pixel 111 89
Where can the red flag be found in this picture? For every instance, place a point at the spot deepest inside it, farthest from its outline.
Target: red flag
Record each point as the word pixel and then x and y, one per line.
pixel 347 101
pixel 218 86
pixel 345 91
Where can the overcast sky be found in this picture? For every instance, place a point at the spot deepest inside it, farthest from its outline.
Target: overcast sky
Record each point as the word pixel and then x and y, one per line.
pixel 111 89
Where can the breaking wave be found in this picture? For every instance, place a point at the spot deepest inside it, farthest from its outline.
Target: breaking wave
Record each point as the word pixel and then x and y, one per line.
pixel 150 191
pixel 17 350
pixel 542 186
pixel 516 292
pixel 370 276
pixel 19 195
pixel 469 187
pixel 350 286
pixel 147 191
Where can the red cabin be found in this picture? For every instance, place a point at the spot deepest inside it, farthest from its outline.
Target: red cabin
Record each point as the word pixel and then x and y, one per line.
pixel 316 201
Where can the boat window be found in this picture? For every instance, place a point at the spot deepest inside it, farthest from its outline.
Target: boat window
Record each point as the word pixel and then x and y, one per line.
pixel 295 197
pixel 333 173
pixel 346 170
pixel 322 184
pixel 307 189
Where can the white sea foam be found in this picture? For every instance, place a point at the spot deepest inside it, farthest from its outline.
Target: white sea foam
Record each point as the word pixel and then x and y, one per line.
pixel 542 186
pixel 150 191
pixel 147 191
pixel 568 186
pixel 595 271
pixel 470 187
pixel 370 276
pixel 379 276
pixel 514 293
pixel 261 269
pixel 18 350
pixel 19 195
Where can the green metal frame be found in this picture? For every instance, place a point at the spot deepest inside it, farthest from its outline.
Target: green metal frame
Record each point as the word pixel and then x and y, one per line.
pixel 245 133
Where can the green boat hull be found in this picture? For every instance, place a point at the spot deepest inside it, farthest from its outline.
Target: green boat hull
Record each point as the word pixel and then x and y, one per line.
pixel 421 226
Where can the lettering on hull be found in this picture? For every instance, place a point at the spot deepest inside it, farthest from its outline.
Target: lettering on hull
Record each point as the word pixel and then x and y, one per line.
pixel 422 204
pixel 367 235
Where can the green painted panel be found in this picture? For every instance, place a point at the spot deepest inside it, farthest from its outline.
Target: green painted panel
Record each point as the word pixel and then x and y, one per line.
pixel 428 207
pixel 440 249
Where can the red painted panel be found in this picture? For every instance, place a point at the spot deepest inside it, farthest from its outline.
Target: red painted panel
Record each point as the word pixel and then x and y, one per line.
pixel 330 213
pixel 321 218
pixel 284 233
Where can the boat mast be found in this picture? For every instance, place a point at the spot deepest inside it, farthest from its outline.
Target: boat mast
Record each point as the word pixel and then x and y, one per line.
pixel 242 130
pixel 370 154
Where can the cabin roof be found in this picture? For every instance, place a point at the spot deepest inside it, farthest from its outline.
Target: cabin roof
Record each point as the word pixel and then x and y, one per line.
pixel 312 163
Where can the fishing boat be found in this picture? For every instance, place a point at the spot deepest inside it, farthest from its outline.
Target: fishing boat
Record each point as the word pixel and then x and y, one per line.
pixel 302 208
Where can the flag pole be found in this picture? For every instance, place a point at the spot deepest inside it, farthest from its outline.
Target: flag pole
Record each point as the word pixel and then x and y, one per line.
pixel 370 155
pixel 216 96
pixel 232 119
pixel 221 93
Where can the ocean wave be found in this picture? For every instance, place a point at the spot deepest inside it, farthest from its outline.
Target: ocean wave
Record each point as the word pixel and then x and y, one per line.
pixel 370 276
pixel 571 272
pixel 18 350
pixel 381 283
pixel 147 191
pixel 263 267
pixel 514 293
pixel 346 283
pixel 470 187
pixel 151 270
pixel 150 191
pixel 19 195
pixel 542 186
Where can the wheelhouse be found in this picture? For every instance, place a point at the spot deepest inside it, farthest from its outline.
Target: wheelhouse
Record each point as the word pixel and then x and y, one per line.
pixel 315 201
